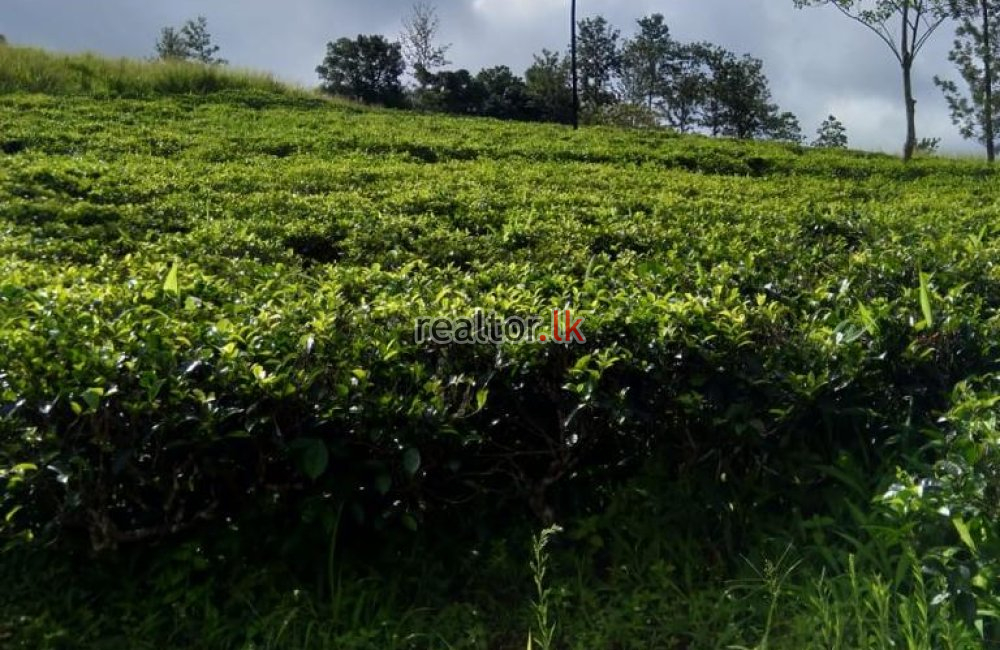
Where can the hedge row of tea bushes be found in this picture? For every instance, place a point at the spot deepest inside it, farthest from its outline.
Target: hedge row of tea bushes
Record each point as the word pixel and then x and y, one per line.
pixel 207 311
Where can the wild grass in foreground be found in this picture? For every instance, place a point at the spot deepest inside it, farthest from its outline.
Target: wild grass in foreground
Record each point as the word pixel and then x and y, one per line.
pixel 182 597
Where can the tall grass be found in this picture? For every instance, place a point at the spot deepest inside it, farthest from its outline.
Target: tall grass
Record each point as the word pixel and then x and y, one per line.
pixel 32 70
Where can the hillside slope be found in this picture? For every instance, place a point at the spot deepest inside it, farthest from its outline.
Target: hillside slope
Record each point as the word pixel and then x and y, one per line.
pixel 208 304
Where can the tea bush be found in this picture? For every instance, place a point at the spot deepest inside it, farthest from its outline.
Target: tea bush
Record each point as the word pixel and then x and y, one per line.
pixel 207 313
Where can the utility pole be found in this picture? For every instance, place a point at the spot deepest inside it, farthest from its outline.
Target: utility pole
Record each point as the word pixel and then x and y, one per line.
pixel 576 76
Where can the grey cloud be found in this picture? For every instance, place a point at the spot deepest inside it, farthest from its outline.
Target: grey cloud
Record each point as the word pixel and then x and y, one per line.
pixel 818 62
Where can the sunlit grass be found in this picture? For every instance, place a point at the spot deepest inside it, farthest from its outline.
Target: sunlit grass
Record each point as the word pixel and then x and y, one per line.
pixel 31 70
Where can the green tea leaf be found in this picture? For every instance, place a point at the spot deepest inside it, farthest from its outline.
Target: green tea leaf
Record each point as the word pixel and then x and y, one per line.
pixel 925 300
pixel 411 461
pixel 963 532
pixel 312 456
pixel 12 513
pixel 171 284
pixel 867 319
pixel 92 397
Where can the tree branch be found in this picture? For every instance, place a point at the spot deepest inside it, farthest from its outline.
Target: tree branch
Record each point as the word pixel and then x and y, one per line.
pixel 880 30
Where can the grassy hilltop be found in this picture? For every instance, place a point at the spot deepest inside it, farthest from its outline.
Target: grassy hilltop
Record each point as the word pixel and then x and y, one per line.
pixel 217 431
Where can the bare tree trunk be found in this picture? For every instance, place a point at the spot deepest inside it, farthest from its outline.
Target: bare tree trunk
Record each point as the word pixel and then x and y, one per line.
pixel 576 75
pixel 988 133
pixel 911 112
pixel 911 104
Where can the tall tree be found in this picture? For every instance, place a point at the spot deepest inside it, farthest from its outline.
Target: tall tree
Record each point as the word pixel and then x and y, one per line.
pixel 367 69
pixel 599 60
pixel 420 42
pixel 976 54
pixel 3 40
pixel 716 62
pixel 548 84
pixel 917 21
pixel 199 42
pixel 746 99
pixel 646 60
pixel 782 126
pixel 456 92
pixel 831 134
pixel 686 89
pixel 192 42
pixel 506 94
pixel 737 98
pixel 172 46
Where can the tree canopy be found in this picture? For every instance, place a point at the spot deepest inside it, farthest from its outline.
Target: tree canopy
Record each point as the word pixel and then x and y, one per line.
pixel 646 80
pixel 191 42
pixel 366 69
pixel 831 134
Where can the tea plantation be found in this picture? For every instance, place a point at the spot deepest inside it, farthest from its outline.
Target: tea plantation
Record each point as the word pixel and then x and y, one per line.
pixel 217 430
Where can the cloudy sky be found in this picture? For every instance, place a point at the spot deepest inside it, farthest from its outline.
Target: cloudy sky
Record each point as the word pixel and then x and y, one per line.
pixel 818 61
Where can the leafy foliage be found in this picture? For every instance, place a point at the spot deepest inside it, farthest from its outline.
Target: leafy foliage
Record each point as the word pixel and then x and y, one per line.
pixel 599 60
pixel 366 69
pixel 976 54
pixel 928 146
pixel 210 345
pixel 207 364
pixel 831 134
pixel 548 86
pixel 506 94
pixel 192 42
pixel 458 93
pixel 645 61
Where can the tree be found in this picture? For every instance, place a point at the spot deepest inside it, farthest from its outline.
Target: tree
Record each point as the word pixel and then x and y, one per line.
pixel 714 60
pixel 686 88
pixel 550 95
pixel 506 94
pixel 831 134
pixel 171 46
pixel 199 42
pixel 928 146
pixel 737 100
pixel 917 20
pixel 455 92
pixel 782 127
pixel 645 62
pixel 599 61
pixel 3 40
pixel 367 69
pixel 976 54
pixel 742 95
pixel 419 41
pixel 192 42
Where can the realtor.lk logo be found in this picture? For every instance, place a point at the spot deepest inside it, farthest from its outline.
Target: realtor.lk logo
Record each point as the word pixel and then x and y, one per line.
pixel 489 329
